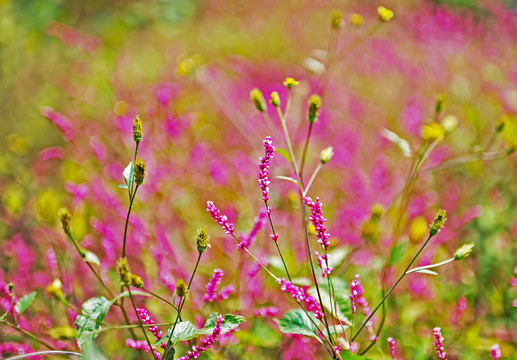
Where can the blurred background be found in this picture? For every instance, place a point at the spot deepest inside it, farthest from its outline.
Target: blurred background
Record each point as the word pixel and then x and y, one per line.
pixel 74 75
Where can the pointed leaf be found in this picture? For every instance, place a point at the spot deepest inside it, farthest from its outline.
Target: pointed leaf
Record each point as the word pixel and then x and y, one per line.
pixel 229 323
pixel 426 271
pixel 284 154
pixel 128 174
pixel 297 322
pixel 122 186
pixel 93 352
pixel 184 331
pixel 24 302
pixel 397 252
pixel 3 317
pixel 94 311
pixel 169 353
pixel 91 258
pixel 347 355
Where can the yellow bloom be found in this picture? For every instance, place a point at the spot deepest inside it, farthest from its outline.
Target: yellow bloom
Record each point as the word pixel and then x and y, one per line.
pixel 290 82
pixel 385 15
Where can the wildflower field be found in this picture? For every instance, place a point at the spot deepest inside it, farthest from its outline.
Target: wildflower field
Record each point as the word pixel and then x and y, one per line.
pixel 258 180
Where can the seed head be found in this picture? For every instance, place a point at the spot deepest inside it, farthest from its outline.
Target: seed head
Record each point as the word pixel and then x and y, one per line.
pixel 181 288
pixel 385 15
pixel 137 281
pixel 314 107
pixel 139 171
pixel 463 251
pixel 123 270
pixel 326 155
pixel 432 131
pixel 65 217
pixel 202 240
pixel 258 99
pixel 137 129
pixel 356 19
pixel 290 82
pixel 438 222
pixel 336 20
pixel 275 99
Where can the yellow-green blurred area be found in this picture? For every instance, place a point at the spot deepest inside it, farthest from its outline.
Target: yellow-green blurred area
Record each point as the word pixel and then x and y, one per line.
pixel 432 89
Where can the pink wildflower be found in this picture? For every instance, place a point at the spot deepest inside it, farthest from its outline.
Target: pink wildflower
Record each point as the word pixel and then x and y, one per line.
pixel 439 343
pixel 310 303
pixel 322 263
pixel 318 221
pixel 17 349
pixel 264 168
pixel 356 290
pixel 146 319
pixel 211 287
pixel 220 219
pixel 338 349
pixel 225 293
pixel 391 341
pixel 266 311
pixel 495 352
pixel 51 153
pixel 141 345
pixel 60 121
pixel 205 343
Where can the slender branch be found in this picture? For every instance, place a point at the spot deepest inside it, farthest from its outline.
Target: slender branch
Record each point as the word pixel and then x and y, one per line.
pixel 42 353
pixel 159 297
pixel 306 147
pixel 316 171
pixel 140 322
pixel 132 199
pixel 34 337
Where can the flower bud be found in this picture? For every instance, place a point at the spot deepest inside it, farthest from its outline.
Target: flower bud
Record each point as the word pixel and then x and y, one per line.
pixel 290 82
pixel 356 20
pixel 385 15
pixel 123 270
pixel 275 99
pixel 326 155
pixel 314 107
pixel 202 240
pixel 432 132
pixel 463 251
pixel 181 288
pixel 258 99
pixel 137 129
pixel 65 217
pixel 54 289
pixel 336 20
pixel 137 281
pixel 10 288
pixel 440 103
pixel 139 171
pixel 438 222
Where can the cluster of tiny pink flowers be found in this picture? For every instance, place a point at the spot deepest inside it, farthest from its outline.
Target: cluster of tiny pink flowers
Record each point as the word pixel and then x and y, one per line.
pixel 146 319
pixel 220 219
pixel 205 343
pixel 338 349
pixel 318 221
pixel 439 343
pixel 299 293
pixel 495 352
pixel 264 168
pixel 322 261
pixel 513 283
pixel 141 345
pixel 225 293
pixel 356 290
pixel 391 341
pixel 18 349
pixel 211 287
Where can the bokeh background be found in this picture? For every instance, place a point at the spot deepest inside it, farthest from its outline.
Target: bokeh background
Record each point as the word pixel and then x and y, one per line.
pixel 74 74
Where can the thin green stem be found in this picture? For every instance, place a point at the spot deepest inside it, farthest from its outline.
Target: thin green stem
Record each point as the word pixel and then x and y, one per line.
pixel 276 242
pixel 34 337
pixel 131 182
pixel 288 105
pixel 271 127
pixel 119 327
pixel 289 146
pixel 131 200
pixel 159 297
pixel 305 148
pixel 391 289
pixel 316 171
pixel 140 323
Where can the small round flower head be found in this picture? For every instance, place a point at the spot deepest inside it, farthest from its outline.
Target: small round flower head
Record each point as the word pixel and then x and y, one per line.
pixel 202 240
pixel 377 212
pixel 385 15
pixel 314 107
pixel 137 281
pixel 290 82
pixel 275 99
pixel 438 222
pixel 432 132
pixel 181 288
pixel 495 352
pixel 258 99
pixel 440 103
pixel 139 171
pixel 326 155
pixel 137 129
pixel 356 19
pixel 123 270
pixel 336 20
pixel 54 289
pixel 463 251
pixel 65 217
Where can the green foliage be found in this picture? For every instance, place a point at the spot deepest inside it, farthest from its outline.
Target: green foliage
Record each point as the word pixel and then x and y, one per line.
pixel 91 258
pixel 24 303
pixel 229 323
pixel 94 311
pixel 297 322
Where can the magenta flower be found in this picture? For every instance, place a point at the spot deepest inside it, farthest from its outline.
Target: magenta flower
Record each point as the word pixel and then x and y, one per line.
pixel 146 319
pixel 220 219
pixel 495 352
pixel 141 345
pixel 264 168
pixel 439 343
pixel 356 290
pixel 318 221
pixel 322 261
pixel 17 349
pixel 391 341
pixel 205 343
pixel 60 121
pixel 211 287
pixel 309 303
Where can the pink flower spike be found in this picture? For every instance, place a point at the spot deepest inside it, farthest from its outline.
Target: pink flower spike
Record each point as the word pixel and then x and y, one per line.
pixel 439 343
pixel 220 219
pixel 322 261
pixel 310 303
pixel 205 343
pixel 264 168
pixel 318 221
pixel 391 341
pixel 495 352
pixel 211 287
pixel 146 319
pixel 356 290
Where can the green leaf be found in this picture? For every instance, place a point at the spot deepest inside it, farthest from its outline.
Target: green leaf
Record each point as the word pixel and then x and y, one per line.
pixel 426 271
pixel 297 322
pixel 24 302
pixel 397 252
pixel 184 331
pixel 290 179
pixel 342 296
pixel 93 352
pixel 3 317
pixel 94 311
pixel 261 334
pixel 338 329
pixel 347 355
pixel 91 258
pixel 229 323
pixel 169 353
pixel 122 186
pixel 284 154
pixel 128 174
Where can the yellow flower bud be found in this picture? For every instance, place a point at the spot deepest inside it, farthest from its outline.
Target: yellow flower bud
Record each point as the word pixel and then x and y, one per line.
pixel 123 270
pixel 137 129
pixel 202 240
pixel 326 155
pixel 438 222
pixel 139 171
pixel 385 15
pixel 181 288
pixel 314 107
pixel 356 20
pixel 290 82
pixel 137 281
pixel 65 217
pixel 432 132
pixel 275 99
pixel 336 20
pixel 258 99
pixel 463 251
